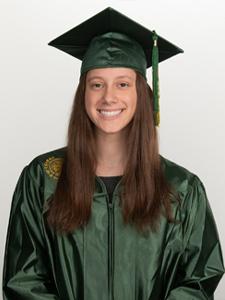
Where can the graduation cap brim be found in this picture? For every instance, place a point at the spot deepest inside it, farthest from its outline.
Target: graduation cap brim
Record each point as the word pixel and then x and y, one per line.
pixel 76 41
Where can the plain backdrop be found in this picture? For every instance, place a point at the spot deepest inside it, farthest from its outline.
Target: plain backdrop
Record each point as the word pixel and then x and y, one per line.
pixel 38 83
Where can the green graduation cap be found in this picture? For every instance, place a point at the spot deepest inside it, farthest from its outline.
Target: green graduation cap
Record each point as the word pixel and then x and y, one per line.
pixel 111 39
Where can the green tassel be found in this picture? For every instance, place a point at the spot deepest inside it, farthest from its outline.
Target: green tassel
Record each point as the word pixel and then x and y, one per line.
pixel 155 79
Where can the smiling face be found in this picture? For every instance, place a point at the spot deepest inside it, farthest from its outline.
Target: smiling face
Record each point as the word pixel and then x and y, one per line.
pixel 111 98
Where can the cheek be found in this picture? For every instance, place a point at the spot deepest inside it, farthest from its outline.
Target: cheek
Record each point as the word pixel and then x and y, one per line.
pixel 90 105
pixel 89 101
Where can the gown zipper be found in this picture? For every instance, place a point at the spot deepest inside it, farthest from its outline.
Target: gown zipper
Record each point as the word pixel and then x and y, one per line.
pixel 111 236
pixel 111 244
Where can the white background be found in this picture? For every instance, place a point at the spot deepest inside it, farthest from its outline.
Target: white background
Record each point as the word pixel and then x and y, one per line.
pixel 38 83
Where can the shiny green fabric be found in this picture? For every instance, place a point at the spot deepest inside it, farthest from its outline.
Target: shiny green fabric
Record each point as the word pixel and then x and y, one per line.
pixel 107 260
pixel 114 49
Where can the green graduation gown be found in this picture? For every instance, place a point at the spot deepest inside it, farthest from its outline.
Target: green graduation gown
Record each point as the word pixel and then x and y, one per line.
pixel 106 260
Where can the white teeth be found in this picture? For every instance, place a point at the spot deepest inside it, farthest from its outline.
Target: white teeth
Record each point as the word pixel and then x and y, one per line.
pixel 110 113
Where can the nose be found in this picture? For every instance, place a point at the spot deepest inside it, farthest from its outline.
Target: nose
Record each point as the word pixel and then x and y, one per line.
pixel 109 94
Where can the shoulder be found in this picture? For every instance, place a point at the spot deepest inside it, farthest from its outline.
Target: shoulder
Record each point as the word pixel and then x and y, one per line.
pixel 47 164
pixel 179 176
pixel 38 179
pixel 186 184
pixel 193 210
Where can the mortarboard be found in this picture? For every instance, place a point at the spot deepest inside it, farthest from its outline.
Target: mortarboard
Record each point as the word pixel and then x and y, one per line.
pixel 111 39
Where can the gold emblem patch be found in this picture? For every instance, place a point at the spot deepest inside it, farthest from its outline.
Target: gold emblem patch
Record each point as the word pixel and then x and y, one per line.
pixel 53 166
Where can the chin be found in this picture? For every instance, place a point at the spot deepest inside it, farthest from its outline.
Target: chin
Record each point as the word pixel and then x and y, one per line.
pixel 111 130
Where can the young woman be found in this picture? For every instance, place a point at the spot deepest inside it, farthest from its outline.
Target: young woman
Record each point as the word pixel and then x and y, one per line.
pixel 108 217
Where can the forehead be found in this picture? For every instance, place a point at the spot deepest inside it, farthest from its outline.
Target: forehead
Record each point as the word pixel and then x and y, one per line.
pixel 109 73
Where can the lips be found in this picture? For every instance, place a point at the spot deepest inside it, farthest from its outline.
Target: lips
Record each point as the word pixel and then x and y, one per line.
pixel 110 114
pixel 99 109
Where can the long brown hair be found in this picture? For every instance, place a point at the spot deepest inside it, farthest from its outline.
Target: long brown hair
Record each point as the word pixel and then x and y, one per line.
pixel 145 194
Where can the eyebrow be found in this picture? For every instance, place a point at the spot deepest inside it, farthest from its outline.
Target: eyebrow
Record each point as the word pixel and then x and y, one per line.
pixel 99 77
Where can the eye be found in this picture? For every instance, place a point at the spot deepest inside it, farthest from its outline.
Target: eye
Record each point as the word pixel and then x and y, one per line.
pixel 124 84
pixel 96 85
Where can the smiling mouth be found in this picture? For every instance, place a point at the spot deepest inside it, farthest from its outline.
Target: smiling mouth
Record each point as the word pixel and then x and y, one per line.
pixel 99 109
pixel 110 112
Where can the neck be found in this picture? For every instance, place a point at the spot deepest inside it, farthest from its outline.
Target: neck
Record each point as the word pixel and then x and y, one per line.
pixel 111 153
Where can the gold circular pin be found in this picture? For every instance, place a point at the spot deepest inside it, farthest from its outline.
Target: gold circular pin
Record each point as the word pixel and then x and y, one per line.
pixel 53 166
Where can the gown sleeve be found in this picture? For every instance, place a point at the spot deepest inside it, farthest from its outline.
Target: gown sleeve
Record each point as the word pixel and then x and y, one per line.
pixel 201 266
pixel 26 272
